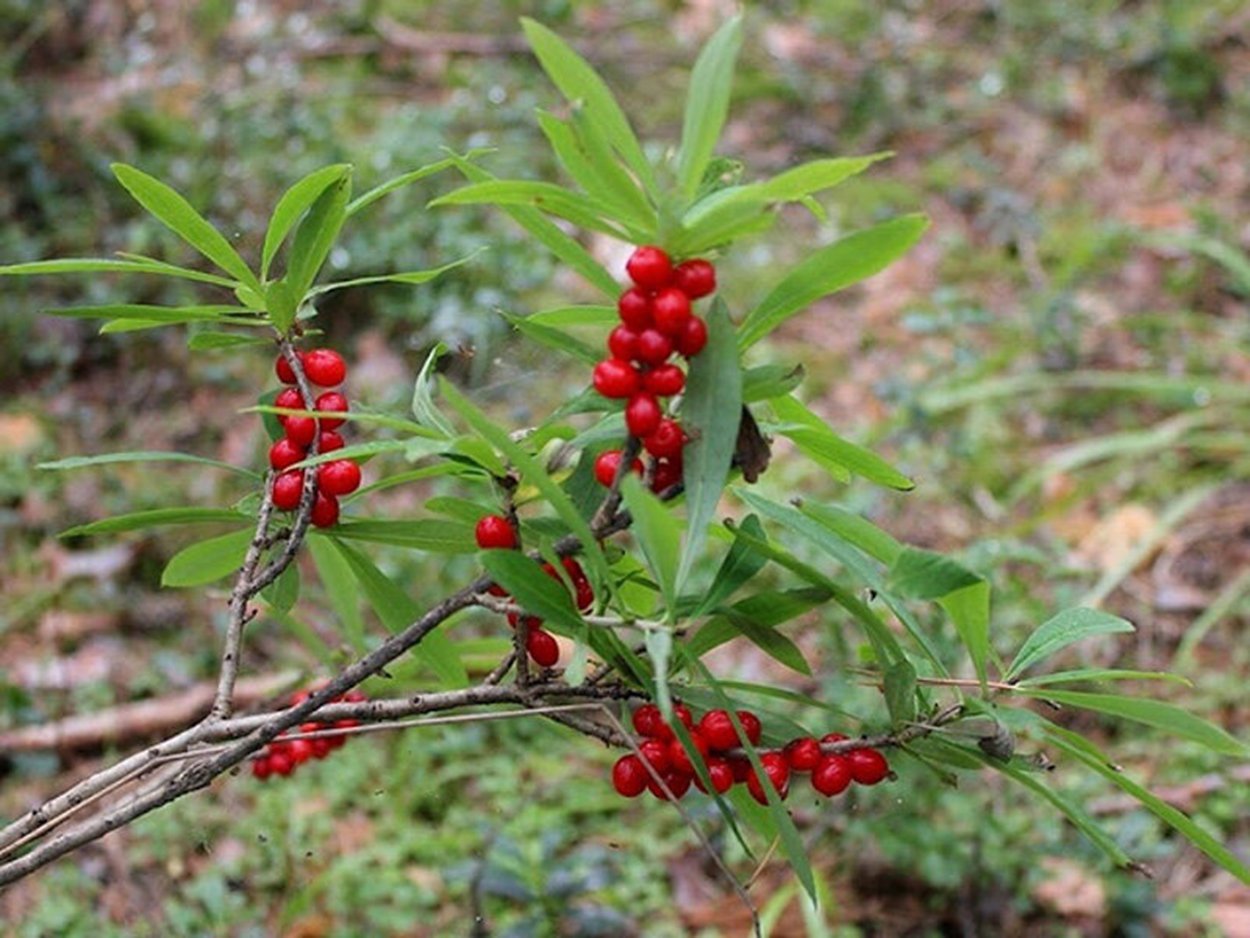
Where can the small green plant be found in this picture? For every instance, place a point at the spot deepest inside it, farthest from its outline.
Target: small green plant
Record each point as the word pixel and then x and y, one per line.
pixel 598 533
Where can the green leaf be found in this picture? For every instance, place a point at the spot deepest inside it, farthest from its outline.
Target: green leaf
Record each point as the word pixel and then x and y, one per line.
pixel 815 176
pixel 293 203
pixel 756 619
pixel 814 438
pixel 534 591
pixel 554 339
pixel 410 277
pixel 102 265
pixel 830 269
pixel 969 609
pixel 434 535
pixel 1156 713
pixel 925 574
pixel 157 517
pixel 283 593
pixel 711 410
pixel 900 692
pixel 658 533
pixel 1096 675
pixel 167 314
pixel 579 83
pixel 176 214
pixel 595 176
pixel 738 567
pixel 765 382
pixel 424 410
pixel 398 182
pixel 210 341
pixel 707 104
pixel 397 611
pixel 855 530
pixel 576 316
pixel 659 645
pixel 336 576
pixel 1062 630
pixel 82 462
pixel 582 210
pixel 315 236
pixel 206 561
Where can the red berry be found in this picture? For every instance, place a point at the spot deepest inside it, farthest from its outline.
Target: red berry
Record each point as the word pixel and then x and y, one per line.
pixel 671 311
pixel 642 415
pixel 649 267
pixel 647 720
pixel 833 738
pixel 667 474
pixel 284 454
pixel 740 767
pixel 585 597
pixel 281 763
pixel 287 489
pixel 325 510
pixel 261 767
pixel 301 750
pixel 777 770
pixel 333 402
pixel 495 531
pixel 803 753
pixel 325 367
pixel 542 647
pixel 606 463
pixel 680 758
pixel 300 430
pixel 721 774
pixel 355 695
pixel 867 766
pixel 329 441
pixel 321 744
pixel 683 714
pixel 289 398
pixel 634 308
pixel 664 380
pixel 717 728
pixel 629 776
pixel 615 378
pixel 693 337
pixel 655 753
pixel 751 725
pixel 623 343
pixel 832 775
pixel 695 278
pixel 282 368
pixel 654 347
pixel 666 441
pixel 677 782
pixel 340 477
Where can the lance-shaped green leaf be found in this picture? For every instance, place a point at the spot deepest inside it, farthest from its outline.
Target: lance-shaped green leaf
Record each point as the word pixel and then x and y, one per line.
pixel 711 410
pixel 157 517
pixel 600 176
pixel 314 237
pixel 283 593
pixel 103 265
pixel 147 312
pixel 206 561
pixel 582 210
pixel 658 533
pixel 563 316
pixel 212 341
pixel 82 462
pixel 554 339
pixel 176 213
pixel 739 566
pixel 816 440
pixel 293 203
pixel 407 179
pixel 424 410
pixel 765 382
pixel 434 535
pixel 899 681
pixel 534 591
pixel 756 618
pixel 707 104
pixel 1062 630
pixel 410 277
pixel 856 530
pixel 340 588
pixel 845 262
pixel 1099 675
pixel 965 595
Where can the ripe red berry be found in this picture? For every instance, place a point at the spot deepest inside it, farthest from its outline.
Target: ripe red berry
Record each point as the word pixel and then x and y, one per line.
pixel 671 311
pixel 667 474
pixel 634 308
pixel 300 430
pixel 287 489
pixel 655 752
pixel 777 771
pixel 832 775
pixel 262 769
pixel 867 766
pixel 693 337
pixel 542 647
pixel 282 368
pixel 751 725
pixel 623 343
pixel 301 750
pixel 290 398
pixel 333 402
pixel 281 763
pixel 283 454
pixel 666 441
pixel 664 380
pixel 680 758
pixel 683 714
pixel 615 378
pixel 741 768
pixel 329 441
pixel 325 510
pixel 653 347
pixel 803 754
pixel 495 531
pixel 696 278
pixel 340 477
pixel 721 774
pixel 649 267
pixel 325 367
pixel 833 738
pixel 677 782
pixel 642 415
pixel 629 776
pixel 717 728
pixel 647 720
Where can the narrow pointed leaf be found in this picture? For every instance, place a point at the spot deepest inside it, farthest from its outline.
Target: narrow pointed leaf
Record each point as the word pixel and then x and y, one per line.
pixel 433 535
pixel 534 591
pixel 816 440
pixel 582 210
pixel 314 237
pixel 82 462
pixel 100 265
pixel 407 179
pixel 293 203
pixel 424 410
pixel 410 277
pixel 738 567
pixel 1062 630
pixel 206 561
pixel 341 590
pixel 157 517
pixel 707 104
pixel 659 535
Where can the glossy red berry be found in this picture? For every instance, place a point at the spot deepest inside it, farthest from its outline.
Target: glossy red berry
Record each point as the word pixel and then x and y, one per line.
pixel 653 347
pixel 340 477
pixel 282 368
pixel 741 768
pixel 679 757
pixel 721 774
pixel 289 398
pixel 832 775
pixel 666 441
pixel 693 337
pixel 664 380
pixel 777 771
pixel 647 720
pixel 287 489
pixel 642 415
pixel 261 768
pixel 281 763
pixel 655 752
pixel 605 466
pixel 629 776
pixel 623 343
pixel 614 378
pixel 684 716
pixel 803 754
pixel 325 367
pixel 667 474
pixel 868 766
pixel 833 738
pixel 329 441
pixel 301 750
pixel 283 454
pixel 696 278
pixel 333 402
pixel 325 510
pixel 649 267
pixel 634 308
pixel 751 726
pixel 671 311
pixel 495 532
pixel 717 728
pixel 300 430
pixel 542 647
pixel 677 782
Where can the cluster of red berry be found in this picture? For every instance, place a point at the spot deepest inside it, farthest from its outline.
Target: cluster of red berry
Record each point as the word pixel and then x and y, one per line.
pixel 325 368
pixel 496 532
pixel 656 323
pixel 715 739
pixel 283 755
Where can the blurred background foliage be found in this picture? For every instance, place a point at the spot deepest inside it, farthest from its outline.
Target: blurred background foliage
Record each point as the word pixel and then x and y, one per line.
pixel 1061 364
